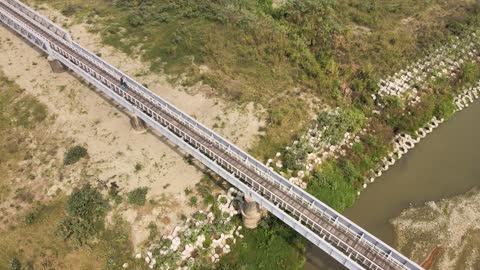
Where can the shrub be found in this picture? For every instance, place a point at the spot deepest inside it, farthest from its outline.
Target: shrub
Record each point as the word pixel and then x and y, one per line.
pixel 74 154
pixel 138 196
pixel 86 210
pixel 163 17
pixel 207 243
pixel 135 20
pixel 469 73
pixel 223 200
pixel 445 108
pixel 335 124
pixel 138 167
pixel 30 218
pixel 296 156
pixel 193 201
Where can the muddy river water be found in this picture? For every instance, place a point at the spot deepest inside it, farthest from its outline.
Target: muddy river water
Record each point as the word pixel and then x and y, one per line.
pixel 444 164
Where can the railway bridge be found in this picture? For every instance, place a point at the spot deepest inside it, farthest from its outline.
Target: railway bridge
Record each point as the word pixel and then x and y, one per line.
pixel 342 239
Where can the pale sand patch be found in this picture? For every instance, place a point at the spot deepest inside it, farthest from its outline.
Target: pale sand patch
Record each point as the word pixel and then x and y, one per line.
pixel 91 120
pixel 452 224
pixel 241 124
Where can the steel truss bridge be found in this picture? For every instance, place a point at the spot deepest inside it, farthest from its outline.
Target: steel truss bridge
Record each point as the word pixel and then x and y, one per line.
pixel 342 239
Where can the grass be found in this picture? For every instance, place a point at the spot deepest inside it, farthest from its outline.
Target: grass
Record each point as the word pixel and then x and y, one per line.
pixel 20 116
pixel 271 246
pixel 279 58
pixel 33 240
pixel 138 196
pixel 292 61
pixel 37 244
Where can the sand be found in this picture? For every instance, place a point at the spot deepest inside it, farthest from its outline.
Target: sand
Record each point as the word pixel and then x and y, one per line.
pixel 452 224
pixel 114 149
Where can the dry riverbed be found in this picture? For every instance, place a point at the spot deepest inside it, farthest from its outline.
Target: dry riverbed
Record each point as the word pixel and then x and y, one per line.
pixel 452 224
pixel 85 117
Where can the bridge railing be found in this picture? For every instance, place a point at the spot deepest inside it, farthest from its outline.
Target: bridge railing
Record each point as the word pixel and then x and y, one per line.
pixel 309 200
pixel 54 28
pixel 262 169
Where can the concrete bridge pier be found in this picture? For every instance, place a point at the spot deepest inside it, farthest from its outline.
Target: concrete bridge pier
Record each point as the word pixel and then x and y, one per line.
pixel 251 213
pixel 55 64
pixel 138 125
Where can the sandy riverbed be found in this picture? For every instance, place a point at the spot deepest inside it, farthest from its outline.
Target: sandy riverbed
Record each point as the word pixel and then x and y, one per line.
pixel 91 120
pixel 452 224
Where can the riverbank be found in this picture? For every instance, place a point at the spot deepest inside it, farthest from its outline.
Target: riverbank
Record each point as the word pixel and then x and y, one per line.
pixel 443 165
pixel 452 224
pixel 343 178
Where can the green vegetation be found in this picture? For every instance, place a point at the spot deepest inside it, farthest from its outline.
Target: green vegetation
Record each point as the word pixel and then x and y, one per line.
pixel 292 60
pixel 74 154
pixel 138 167
pixel 193 201
pixel 36 245
pixel 30 240
pixel 86 210
pixel 271 246
pixel 138 196
pixel 22 116
pixel 281 58
pixel 30 218
pixel 335 125
pixel 18 108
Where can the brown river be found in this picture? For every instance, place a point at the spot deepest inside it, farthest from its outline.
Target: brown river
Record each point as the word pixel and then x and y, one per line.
pixel 444 164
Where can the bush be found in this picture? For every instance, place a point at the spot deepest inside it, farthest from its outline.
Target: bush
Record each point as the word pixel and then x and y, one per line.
pixel 86 210
pixel 138 167
pixel 296 156
pixel 74 154
pixel 469 73
pixel 193 201
pixel 207 243
pixel 30 218
pixel 333 184
pixel 445 108
pixel 138 196
pixel 136 20
pixel 335 124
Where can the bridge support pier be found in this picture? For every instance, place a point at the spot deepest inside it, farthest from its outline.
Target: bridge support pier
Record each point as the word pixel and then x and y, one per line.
pixel 251 213
pixel 57 66
pixel 138 125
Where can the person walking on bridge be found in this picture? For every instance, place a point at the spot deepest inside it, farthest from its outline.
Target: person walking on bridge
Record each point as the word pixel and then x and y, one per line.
pixel 123 83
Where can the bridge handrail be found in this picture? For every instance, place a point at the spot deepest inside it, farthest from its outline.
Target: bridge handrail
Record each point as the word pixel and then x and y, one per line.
pixel 41 19
pixel 321 207
pixel 343 221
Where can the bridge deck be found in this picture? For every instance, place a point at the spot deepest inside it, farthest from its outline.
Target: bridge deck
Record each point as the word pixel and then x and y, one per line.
pixel 350 245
